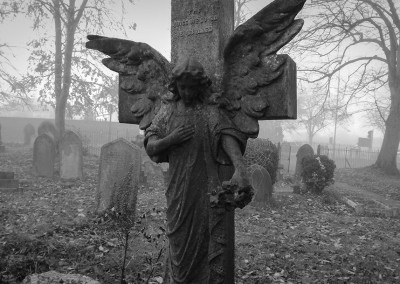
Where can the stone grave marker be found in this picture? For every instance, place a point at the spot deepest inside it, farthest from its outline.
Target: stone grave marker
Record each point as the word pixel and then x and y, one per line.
pixel 44 154
pixel 118 160
pixel 29 131
pixel 304 150
pixel 49 128
pixel 7 181
pixel 71 165
pixel 262 184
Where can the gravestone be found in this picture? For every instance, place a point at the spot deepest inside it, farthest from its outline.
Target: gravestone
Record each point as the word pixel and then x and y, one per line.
pixel 7 181
pixel 304 150
pixel 118 160
pixel 49 128
pixel 262 184
pixel 29 131
pixel 71 165
pixel 44 154
pixel 2 147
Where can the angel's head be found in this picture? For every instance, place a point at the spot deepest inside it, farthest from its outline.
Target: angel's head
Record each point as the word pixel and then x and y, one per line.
pixel 190 82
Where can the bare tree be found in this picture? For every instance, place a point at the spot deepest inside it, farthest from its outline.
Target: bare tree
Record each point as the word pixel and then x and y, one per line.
pixel 13 91
pixel 377 111
pixel 336 31
pixel 241 11
pixel 60 63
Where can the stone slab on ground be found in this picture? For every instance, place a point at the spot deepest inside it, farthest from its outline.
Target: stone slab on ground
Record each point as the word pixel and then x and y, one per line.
pixel 6 175
pixel 9 183
pixel 365 202
pixel 54 277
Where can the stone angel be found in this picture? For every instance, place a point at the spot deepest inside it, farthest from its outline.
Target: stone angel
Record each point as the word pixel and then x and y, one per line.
pixel 196 128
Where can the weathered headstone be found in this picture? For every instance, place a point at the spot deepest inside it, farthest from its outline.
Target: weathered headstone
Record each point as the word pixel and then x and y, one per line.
pixel 7 181
pixel 44 154
pixel 71 165
pixel 49 128
pixel 304 150
pixel 262 184
pixel 118 159
pixel 29 131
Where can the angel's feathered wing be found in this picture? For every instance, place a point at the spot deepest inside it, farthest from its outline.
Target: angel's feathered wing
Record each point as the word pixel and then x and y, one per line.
pixel 143 77
pixel 258 83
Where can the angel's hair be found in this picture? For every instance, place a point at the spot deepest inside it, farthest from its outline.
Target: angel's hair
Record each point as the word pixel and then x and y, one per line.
pixel 190 68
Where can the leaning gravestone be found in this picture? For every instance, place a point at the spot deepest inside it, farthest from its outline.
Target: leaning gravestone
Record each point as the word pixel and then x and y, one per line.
pixel 44 153
pixel 119 160
pixel 304 150
pixel 262 184
pixel 29 131
pixel 71 165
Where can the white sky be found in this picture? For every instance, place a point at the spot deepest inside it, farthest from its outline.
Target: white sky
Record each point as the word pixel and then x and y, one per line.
pixel 153 19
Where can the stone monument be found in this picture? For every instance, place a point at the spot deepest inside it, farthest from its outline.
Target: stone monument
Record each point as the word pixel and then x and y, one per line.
pixel 223 82
pixel 44 154
pixel 71 164
pixel 118 159
pixel 29 131
pixel 262 184
pixel 304 150
pixel 8 182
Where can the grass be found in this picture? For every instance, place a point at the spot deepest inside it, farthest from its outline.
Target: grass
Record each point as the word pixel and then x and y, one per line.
pixel 301 239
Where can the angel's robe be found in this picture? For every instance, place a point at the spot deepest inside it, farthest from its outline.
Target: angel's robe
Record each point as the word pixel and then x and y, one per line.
pixel 193 174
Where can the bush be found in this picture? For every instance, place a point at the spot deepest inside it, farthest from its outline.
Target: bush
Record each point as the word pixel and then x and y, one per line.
pixel 264 153
pixel 317 172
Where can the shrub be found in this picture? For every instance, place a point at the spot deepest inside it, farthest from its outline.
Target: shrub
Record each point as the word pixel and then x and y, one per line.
pixel 317 172
pixel 264 153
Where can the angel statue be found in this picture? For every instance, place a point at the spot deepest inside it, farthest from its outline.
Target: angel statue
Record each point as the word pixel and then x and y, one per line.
pixel 196 127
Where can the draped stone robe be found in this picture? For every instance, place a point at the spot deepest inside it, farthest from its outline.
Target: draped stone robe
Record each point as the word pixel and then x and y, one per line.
pixel 193 174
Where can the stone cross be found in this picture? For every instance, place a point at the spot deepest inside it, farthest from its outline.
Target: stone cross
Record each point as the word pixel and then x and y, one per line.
pixel 250 82
pixel 201 29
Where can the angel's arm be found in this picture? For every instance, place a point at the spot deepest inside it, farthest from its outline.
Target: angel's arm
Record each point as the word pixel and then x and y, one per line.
pixel 232 149
pixel 156 146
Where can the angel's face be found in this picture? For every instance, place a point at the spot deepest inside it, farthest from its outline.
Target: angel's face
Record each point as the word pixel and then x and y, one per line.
pixel 189 89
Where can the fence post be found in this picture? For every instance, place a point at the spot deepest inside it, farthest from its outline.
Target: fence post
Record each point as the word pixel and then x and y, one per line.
pixel 319 150
pixel 290 152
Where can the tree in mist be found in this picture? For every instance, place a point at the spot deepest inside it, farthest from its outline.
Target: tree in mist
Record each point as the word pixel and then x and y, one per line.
pixel 241 11
pixel 13 91
pixel 62 69
pixel 333 36
pixel 378 110
pixel 106 101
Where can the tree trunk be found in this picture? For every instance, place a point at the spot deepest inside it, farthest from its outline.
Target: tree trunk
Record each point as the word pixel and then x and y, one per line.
pixel 388 154
pixel 58 67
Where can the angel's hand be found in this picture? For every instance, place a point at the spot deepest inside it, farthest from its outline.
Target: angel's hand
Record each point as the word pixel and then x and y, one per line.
pixel 240 177
pixel 181 134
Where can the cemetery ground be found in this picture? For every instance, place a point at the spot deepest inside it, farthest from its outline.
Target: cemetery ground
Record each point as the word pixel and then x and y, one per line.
pixel 48 224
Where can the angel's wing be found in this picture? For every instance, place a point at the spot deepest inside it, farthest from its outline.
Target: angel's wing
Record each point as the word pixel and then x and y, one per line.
pixel 143 77
pixel 256 79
